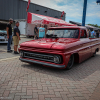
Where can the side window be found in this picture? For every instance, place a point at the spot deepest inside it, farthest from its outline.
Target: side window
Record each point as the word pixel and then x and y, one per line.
pixel 83 34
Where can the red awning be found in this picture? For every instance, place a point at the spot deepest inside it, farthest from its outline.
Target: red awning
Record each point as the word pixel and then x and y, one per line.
pixel 41 19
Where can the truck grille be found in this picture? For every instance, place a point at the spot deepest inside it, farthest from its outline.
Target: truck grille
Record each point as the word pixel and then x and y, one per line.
pixel 37 56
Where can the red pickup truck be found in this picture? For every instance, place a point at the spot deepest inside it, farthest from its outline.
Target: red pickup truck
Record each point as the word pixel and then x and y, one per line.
pixel 61 47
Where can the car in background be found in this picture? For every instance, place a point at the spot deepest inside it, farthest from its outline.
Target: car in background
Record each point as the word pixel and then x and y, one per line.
pixel 3 32
pixel 3 36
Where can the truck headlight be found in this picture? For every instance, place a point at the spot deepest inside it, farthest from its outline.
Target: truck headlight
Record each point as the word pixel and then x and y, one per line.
pixel 57 59
pixel 21 53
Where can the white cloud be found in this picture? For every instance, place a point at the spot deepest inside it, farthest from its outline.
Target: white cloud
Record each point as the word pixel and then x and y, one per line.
pixel 59 0
pixel 74 10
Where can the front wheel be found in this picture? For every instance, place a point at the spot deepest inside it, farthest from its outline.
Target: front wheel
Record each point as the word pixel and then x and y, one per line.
pixel 70 63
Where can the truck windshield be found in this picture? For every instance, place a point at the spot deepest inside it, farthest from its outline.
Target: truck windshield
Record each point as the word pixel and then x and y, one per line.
pixel 67 33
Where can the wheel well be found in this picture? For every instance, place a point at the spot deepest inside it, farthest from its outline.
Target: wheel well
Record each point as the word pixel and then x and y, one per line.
pixel 76 57
pixel 97 50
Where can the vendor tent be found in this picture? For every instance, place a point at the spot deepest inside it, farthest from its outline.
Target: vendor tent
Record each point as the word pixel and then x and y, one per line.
pixel 33 18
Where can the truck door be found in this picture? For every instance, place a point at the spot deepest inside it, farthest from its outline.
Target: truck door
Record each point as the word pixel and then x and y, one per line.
pixel 86 50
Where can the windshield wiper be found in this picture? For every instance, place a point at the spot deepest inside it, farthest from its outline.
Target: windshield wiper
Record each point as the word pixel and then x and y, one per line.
pixel 51 36
pixel 54 36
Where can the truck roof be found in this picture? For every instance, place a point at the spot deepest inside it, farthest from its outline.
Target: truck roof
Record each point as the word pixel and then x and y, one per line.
pixel 64 27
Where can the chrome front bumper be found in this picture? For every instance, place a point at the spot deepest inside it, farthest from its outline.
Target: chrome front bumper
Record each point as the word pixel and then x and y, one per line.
pixel 42 63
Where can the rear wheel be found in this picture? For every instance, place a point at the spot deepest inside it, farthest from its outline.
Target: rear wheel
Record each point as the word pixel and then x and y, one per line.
pixel 70 63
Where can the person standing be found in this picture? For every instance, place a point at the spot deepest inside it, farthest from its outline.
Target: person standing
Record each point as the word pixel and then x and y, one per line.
pixel 9 34
pixel 88 32
pixel 93 34
pixel 16 37
pixel 39 26
pixel 97 34
pixel 35 32
pixel 41 32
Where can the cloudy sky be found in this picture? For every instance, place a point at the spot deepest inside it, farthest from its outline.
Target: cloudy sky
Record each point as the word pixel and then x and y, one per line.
pixel 74 9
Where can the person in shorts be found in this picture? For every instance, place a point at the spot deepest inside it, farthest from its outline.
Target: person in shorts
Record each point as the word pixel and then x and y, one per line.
pixel 16 37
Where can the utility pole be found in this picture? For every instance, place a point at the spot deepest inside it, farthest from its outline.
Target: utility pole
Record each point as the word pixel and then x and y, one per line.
pixel 84 12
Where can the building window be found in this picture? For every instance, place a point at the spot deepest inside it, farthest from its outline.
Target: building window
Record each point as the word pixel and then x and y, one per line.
pixel 45 11
pixel 37 10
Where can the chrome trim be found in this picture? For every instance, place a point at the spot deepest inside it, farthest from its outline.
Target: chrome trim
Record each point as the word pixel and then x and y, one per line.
pixel 38 59
pixel 37 55
pixel 79 49
pixel 42 63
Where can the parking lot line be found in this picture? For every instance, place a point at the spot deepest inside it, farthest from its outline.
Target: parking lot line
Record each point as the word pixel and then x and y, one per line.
pixel 9 58
pixel 5 50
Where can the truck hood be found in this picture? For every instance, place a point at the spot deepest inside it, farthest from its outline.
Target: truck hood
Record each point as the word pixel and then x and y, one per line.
pixel 47 43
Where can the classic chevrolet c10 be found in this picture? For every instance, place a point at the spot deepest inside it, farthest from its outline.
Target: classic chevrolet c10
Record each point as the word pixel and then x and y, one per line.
pixel 61 47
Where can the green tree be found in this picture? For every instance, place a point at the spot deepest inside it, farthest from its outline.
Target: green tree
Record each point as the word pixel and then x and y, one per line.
pixel 95 25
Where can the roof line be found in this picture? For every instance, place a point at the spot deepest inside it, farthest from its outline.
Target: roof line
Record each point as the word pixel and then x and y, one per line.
pixel 43 6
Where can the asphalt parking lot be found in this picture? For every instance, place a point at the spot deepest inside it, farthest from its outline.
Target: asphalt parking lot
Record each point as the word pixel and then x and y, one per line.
pixel 22 81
